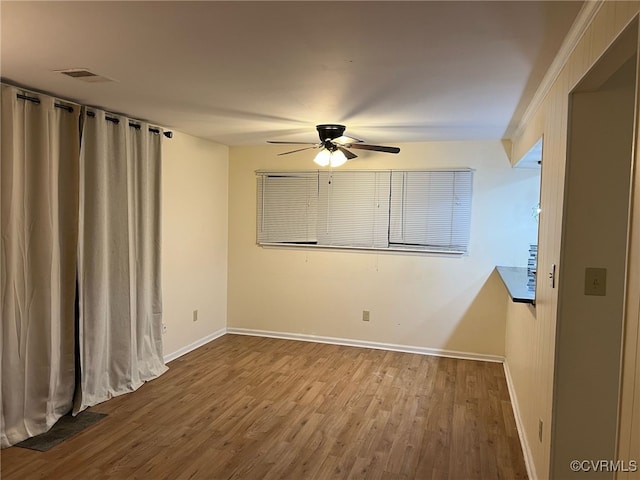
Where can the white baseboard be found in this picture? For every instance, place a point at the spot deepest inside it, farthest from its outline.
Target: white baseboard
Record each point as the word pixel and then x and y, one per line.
pixel 528 458
pixel 194 345
pixel 365 344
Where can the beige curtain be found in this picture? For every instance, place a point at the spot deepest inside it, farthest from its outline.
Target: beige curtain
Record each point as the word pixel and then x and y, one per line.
pixel 118 258
pixel 39 208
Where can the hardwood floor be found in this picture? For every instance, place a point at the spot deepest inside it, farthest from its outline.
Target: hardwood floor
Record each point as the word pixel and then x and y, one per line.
pixel 259 408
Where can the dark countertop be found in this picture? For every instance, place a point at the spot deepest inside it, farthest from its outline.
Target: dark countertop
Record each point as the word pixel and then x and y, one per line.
pixel 515 279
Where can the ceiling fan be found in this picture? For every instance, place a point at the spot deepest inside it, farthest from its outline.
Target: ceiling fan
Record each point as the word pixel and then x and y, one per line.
pixel 334 144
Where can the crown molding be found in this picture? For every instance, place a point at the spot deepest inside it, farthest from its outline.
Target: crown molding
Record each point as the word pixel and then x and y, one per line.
pixel 577 30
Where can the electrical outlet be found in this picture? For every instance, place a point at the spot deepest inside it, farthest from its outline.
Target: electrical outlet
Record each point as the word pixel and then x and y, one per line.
pixel 365 315
pixel 164 328
pixel 195 315
pixel 540 429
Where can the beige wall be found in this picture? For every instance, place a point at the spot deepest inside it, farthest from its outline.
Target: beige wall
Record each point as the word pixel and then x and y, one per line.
pixel 550 120
pixel 427 301
pixel 194 239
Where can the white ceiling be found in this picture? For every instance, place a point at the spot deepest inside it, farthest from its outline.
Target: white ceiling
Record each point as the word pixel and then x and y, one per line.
pixel 246 72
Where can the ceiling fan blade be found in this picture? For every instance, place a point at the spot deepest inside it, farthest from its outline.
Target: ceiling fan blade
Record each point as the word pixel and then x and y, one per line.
pixel 298 150
pixel 375 148
pixel 292 143
pixel 347 153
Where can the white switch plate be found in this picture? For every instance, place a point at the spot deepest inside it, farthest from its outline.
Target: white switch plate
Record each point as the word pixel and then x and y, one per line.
pixel 195 315
pixel 595 281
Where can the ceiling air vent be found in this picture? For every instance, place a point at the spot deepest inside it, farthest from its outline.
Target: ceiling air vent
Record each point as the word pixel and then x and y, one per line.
pixel 84 75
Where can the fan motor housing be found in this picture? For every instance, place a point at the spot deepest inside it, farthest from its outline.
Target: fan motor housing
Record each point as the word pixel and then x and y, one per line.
pixel 329 131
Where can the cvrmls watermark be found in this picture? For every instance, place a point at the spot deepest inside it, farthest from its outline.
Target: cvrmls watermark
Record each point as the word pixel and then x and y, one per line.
pixel 603 466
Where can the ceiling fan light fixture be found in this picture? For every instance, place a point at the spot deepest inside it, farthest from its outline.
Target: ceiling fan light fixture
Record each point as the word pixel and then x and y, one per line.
pixel 337 158
pixel 323 158
pixel 326 157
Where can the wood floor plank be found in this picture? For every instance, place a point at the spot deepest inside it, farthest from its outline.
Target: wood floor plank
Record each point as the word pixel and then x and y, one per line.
pixel 246 407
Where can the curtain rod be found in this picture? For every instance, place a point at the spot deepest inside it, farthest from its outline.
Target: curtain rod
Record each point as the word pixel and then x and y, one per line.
pixel 69 109
pixel 36 100
pixel 131 124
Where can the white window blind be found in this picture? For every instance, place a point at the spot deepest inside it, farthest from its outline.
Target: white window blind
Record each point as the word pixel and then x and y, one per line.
pixel 431 209
pixel 287 208
pixel 354 209
pixel 424 210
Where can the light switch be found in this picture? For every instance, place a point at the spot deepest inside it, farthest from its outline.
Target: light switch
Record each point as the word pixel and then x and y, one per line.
pixel 595 281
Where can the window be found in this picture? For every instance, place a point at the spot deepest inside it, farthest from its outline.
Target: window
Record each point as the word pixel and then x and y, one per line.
pixel 288 208
pixel 431 209
pixel 354 209
pixel 421 210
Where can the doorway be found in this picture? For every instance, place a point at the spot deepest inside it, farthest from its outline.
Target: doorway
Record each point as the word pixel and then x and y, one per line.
pixel 593 261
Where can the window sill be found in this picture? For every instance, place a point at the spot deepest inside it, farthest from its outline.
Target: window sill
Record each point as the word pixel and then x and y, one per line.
pixel 393 249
